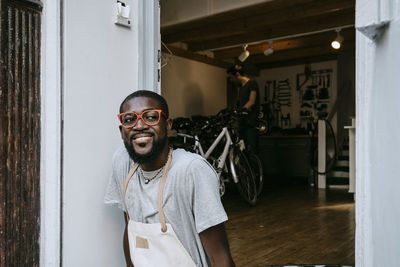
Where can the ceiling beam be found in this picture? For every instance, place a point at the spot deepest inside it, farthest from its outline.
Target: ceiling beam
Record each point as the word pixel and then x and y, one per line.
pixel 296 61
pixel 250 19
pixel 293 54
pixel 334 19
pixel 294 43
pixel 196 57
pixel 233 14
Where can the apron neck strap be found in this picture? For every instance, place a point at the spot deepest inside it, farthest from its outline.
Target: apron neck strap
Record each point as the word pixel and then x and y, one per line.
pixel 160 191
pixel 127 179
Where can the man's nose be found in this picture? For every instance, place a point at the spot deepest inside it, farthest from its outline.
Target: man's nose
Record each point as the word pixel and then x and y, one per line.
pixel 140 124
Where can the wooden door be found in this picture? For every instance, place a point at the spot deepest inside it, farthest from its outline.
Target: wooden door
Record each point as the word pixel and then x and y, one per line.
pixel 20 25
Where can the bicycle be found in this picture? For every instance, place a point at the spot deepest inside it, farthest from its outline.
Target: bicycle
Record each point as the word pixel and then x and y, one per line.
pixel 231 164
pixel 252 157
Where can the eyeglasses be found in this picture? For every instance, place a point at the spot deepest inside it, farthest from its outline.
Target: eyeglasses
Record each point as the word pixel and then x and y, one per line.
pixel 149 117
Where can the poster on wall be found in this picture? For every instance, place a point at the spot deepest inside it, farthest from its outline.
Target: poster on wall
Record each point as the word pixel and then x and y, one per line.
pixel 314 93
pixel 297 105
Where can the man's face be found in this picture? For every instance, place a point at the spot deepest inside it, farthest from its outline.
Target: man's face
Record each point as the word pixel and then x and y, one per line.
pixel 144 143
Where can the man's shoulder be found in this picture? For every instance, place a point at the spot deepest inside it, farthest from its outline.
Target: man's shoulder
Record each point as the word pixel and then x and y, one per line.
pixel 250 85
pixel 183 155
pixel 120 153
pixel 120 157
pixel 186 158
pixel 192 164
pixel 253 84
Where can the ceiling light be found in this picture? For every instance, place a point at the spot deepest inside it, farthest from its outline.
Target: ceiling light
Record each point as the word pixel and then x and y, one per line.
pixel 245 54
pixel 337 43
pixel 269 50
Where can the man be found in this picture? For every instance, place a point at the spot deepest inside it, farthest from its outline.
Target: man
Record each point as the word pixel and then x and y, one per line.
pixel 189 210
pixel 248 99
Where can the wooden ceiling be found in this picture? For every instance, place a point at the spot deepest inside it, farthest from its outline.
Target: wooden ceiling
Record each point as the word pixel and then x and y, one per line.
pixel 301 31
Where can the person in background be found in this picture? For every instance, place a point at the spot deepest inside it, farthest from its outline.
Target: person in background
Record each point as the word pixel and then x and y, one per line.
pixel 248 99
pixel 174 215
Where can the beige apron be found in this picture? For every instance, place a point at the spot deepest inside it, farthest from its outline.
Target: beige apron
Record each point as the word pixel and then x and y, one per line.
pixel 155 244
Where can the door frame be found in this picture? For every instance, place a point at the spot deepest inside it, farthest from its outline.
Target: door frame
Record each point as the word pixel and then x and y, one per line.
pixel 51 131
pixel 372 19
pixel 52 86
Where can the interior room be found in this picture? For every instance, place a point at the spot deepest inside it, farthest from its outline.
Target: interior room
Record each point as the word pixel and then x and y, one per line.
pixel 303 214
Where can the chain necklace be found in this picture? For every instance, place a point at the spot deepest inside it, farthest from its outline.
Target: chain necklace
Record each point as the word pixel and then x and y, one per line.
pixel 148 180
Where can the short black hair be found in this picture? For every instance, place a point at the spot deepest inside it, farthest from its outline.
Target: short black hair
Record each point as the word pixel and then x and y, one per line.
pixel 150 94
pixel 236 69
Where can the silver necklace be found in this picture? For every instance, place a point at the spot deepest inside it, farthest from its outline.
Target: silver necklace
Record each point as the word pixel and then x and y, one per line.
pixel 148 180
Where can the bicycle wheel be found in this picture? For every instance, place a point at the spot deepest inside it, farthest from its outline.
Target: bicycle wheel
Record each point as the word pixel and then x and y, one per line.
pixel 246 183
pixel 258 171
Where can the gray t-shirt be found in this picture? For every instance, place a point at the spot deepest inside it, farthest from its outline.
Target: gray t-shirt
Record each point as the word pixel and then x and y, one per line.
pixel 191 199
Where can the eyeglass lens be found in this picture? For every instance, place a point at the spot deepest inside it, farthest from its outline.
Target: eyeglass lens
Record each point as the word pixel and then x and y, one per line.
pixel 150 117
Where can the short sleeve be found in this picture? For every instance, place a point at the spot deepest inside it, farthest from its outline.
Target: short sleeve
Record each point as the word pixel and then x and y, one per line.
pixel 253 86
pixel 113 195
pixel 207 207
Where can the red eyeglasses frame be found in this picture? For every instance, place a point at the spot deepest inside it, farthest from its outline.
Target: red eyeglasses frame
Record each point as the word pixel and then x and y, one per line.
pixel 140 116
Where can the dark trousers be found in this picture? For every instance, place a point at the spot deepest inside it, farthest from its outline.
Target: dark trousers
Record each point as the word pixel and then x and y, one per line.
pixel 250 137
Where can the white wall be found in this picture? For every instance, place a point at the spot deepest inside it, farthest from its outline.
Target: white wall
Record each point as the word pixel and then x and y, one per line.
pixel 175 11
pixel 290 73
pixel 100 69
pixel 377 134
pixel 384 127
pixel 193 88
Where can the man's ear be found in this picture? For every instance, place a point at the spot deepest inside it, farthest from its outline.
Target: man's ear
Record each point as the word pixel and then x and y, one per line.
pixel 169 124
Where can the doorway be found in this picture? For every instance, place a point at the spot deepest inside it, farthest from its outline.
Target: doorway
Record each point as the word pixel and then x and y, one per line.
pixel 299 34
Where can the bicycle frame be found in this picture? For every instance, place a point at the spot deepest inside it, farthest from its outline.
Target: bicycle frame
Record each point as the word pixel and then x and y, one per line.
pixel 222 158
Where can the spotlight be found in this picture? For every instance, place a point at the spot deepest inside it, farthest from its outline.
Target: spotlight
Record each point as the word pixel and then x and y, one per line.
pixel 269 50
pixel 245 54
pixel 337 43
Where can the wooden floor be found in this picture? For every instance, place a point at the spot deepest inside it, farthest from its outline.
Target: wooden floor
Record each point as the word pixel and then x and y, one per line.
pixel 292 224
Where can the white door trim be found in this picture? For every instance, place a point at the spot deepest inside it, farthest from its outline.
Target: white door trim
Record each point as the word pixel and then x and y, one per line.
pixel 372 18
pixel 50 159
pixel 149 45
pixel 365 51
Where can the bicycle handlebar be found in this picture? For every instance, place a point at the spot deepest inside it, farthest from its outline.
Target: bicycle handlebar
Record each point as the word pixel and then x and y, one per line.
pixel 227 112
pixel 241 111
pixel 199 124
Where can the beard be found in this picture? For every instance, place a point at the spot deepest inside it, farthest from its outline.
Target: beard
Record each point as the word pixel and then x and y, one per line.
pixel 152 155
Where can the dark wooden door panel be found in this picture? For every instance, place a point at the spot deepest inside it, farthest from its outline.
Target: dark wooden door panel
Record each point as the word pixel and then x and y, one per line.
pixel 20 132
